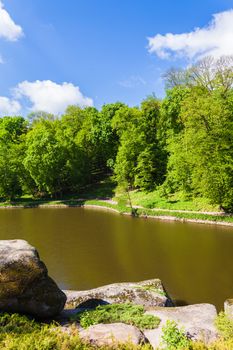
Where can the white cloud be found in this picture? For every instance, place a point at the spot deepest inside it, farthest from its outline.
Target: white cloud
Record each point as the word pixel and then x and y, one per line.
pixel 216 39
pixel 51 97
pixel 9 106
pixel 8 29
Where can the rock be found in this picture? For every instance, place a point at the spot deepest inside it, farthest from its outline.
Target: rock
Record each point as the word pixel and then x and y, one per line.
pixel 148 293
pixel 111 334
pixel 196 320
pixel 25 286
pixel 228 308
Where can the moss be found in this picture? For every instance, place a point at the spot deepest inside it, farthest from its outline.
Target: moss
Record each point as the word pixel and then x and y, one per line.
pixel 151 288
pixel 112 313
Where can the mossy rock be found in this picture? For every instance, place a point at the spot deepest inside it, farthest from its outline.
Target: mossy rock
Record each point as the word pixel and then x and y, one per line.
pixel 148 293
pixel 25 286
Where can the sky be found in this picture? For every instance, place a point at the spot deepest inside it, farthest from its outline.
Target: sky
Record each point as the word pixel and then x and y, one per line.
pixel 92 52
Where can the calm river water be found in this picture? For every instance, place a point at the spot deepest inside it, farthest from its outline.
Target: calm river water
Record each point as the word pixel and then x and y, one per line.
pixel 85 248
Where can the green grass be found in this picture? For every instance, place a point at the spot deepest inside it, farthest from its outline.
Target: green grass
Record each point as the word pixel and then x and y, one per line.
pixel 18 332
pixel 176 201
pixel 112 313
pixel 163 213
pixel 152 203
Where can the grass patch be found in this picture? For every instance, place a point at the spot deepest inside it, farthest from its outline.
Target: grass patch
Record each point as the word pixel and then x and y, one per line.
pixel 175 201
pixel 18 332
pixel 112 313
pixel 193 216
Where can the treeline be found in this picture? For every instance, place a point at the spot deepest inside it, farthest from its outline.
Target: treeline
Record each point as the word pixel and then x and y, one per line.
pixel 181 143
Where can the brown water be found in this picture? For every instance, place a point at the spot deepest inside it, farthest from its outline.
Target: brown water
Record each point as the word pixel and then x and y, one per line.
pixel 85 248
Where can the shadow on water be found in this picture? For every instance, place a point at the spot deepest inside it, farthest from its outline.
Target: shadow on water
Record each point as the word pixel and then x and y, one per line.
pixel 179 302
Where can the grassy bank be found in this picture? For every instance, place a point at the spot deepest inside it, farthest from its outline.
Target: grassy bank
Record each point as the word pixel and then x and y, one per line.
pixel 162 214
pixel 176 201
pixel 151 205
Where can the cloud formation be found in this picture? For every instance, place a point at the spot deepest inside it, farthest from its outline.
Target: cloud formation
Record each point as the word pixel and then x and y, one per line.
pixel 9 106
pixel 8 29
pixel 216 39
pixel 51 97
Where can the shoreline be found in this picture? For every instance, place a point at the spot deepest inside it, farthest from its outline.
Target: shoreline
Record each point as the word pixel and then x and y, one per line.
pixel 152 213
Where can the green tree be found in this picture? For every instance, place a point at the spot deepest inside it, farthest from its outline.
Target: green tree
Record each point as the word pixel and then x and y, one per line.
pixel 45 157
pixel 12 136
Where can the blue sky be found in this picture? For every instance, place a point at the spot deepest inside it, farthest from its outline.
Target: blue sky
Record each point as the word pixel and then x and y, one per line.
pixel 100 48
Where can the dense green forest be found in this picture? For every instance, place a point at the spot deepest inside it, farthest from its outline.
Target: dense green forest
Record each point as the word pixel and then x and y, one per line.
pixel 181 143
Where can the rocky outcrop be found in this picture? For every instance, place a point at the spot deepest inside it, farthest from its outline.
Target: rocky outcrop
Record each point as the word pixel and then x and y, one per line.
pixel 25 286
pixel 148 293
pixel 112 334
pixel 196 320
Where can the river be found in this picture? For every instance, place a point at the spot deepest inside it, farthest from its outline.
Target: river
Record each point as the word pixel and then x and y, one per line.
pixel 86 248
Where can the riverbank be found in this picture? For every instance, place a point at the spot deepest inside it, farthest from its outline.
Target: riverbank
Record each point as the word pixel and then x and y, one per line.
pixel 216 218
pixel 126 315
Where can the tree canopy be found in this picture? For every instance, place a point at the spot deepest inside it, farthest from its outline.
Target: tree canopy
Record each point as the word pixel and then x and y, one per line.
pixel 180 143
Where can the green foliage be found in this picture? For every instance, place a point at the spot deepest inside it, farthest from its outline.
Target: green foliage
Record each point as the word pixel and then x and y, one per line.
pixel 44 158
pixel 174 338
pixel 224 326
pixel 182 144
pixel 126 313
pixel 140 159
pixel 18 332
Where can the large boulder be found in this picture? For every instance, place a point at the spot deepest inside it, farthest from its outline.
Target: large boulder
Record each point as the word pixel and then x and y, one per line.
pixel 112 334
pixel 148 293
pixel 25 286
pixel 197 321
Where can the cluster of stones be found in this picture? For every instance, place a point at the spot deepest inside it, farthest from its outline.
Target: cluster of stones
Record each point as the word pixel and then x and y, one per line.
pixel 25 287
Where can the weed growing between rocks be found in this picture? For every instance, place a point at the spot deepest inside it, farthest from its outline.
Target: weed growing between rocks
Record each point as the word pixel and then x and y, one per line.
pixel 174 338
pixel 126 313
pixel 224 326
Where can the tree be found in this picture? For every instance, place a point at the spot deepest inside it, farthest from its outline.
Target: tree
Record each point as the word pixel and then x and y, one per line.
pixel 12 136
pixel 140 161
pixel 45 157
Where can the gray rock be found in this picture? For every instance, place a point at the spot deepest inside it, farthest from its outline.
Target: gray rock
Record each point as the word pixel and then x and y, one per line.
pixel 196 320
pixel 25 286
pixel 228 308
pixel 112 334
pixel 148 293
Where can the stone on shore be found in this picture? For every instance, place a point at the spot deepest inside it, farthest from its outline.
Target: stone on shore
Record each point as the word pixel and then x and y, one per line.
pixel 148 293
pixel 112 334
pixel 196 320
pixel 228 308
pixel 25 286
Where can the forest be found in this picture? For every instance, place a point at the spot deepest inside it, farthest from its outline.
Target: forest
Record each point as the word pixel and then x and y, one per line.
pixel 182 142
